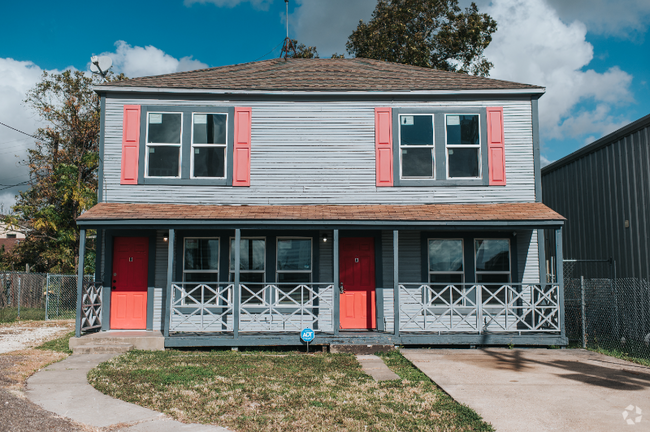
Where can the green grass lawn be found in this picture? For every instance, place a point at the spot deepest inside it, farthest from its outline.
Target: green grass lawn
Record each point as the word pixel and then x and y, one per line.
pixel 59 345
pixel 282 391
pixel 10 314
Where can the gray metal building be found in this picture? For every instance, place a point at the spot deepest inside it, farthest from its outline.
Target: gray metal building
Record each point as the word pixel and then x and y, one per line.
pixel 603 190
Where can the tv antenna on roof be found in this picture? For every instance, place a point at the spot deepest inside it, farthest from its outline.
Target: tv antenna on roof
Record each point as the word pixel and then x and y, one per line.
pixel 100 65
pixel 288 43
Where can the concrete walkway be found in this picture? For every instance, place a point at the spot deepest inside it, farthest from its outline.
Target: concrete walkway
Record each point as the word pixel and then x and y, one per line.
pixel 542 390
pixel 376 368
pixel 63 389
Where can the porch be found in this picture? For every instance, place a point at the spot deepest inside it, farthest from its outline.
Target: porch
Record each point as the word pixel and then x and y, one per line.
pixel 407 306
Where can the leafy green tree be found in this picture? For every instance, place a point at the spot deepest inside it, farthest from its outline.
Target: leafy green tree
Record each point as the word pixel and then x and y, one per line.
pixel 63 171
pixel 303 51
pixel 428 33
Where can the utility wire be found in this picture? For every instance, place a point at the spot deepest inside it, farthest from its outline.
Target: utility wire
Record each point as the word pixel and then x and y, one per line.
pixel 276 47
pixel 19 131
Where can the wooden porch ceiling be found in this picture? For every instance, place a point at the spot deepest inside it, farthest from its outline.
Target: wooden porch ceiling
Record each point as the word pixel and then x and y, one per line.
pixel 477 213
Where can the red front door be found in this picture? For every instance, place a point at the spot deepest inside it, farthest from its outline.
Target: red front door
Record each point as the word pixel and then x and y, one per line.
pixel 357 267
pixel 129 283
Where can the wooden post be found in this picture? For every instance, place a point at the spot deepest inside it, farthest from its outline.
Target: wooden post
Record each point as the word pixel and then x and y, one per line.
pixel 396 281
pixel 336 293
pixel 236 295
pixel 170 276
pixel 559 262
pixel 80 280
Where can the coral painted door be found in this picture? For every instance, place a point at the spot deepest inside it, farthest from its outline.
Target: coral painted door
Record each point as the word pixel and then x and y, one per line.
pixel 357 274
pixel 129 283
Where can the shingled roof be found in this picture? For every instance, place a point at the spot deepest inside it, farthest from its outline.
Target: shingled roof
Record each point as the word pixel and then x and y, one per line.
pixel 329 75
pixel 521 212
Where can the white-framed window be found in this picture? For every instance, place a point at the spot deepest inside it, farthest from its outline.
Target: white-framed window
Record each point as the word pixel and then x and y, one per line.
pixel 294 258
pixel 252 267
pixel 446 267
pixel 463 146
pixel 417 146
pixel 493 267
pixel 209 145
pixel 164 132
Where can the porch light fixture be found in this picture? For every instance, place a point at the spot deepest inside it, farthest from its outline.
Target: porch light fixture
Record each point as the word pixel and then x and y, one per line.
pixel 166 238
pixel 324 237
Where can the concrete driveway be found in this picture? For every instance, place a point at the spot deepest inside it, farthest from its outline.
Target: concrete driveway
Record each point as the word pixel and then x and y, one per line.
pixel 542 390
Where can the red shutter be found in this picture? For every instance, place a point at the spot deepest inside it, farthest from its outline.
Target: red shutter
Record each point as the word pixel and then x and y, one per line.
pixel 384 146
pixel 130 144
pixel 241 158
pixel 496 146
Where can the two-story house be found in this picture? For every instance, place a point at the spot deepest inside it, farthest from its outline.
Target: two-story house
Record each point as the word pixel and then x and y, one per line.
pixel 369 201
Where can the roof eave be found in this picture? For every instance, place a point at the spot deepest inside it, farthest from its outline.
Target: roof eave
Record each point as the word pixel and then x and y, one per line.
pixel 167 90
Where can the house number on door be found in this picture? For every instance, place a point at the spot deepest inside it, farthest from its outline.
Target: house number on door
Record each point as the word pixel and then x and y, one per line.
pixel 130 259
pixel 356 260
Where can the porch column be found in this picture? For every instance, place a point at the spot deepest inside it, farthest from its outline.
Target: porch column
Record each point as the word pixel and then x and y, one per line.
pixel 336 293
pixel 80 280
pixel 396 281
pixel 559 262
pixel 236 302
pixel 170 275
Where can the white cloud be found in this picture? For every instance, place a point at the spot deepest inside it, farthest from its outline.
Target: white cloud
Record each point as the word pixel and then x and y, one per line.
pixel 145 61
pixel 328 24
pixel 620 17
pixel 533 45
pixel 16 78
pixel 257 4
pixel 545 161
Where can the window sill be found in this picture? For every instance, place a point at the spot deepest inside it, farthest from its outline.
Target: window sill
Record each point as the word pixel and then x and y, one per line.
pixel 440 183
pixel 185 182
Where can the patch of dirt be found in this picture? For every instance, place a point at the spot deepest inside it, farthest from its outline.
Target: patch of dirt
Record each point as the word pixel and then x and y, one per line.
pixel 26 334
pixel 17 414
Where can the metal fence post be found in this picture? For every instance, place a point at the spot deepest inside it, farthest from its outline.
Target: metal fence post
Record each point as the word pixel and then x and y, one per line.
pixel 582 307
pixel 47 295
pixel 19 297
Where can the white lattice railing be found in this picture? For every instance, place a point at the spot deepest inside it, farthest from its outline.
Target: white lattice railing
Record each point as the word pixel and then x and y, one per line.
pixel 91 305
pixel 286 307
pixel 472 308
pixel 198 307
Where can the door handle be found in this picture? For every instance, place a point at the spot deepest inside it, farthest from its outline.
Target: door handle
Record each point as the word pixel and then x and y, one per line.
pixel 341 289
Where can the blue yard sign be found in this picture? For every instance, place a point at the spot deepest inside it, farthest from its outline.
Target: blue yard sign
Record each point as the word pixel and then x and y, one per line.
pixel 307 335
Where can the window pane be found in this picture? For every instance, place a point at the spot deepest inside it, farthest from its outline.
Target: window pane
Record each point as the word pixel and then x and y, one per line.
pixel 201 254
pixel 209 161
pixel 463 162
pixel 294 254
pixel 164 161
pixel 164 128
pixel 251 254
pixel 416 130
pixel 417 162
pixel 200 277
pixel 492 292
pixel 441 278
pixel 249 277
pixel 493 255
pixel 296 278
pixel 445 255
pixel 462 129
pixel 209 128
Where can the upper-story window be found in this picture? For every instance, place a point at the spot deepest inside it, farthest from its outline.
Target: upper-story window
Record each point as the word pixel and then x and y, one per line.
pixel 164 132
pixel 463 141
pixel 416 144
pixel 437 147
pixel 186 145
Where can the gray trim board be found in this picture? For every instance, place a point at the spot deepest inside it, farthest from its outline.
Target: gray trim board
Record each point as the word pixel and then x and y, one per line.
pixel 102 137
pixel 337 298
pixel 186 146
pixel 80 280
pixel 536 150
pixel 440 150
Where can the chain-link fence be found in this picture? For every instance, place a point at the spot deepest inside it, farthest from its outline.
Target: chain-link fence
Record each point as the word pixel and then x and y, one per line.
pixel 38 296
pixel 603 311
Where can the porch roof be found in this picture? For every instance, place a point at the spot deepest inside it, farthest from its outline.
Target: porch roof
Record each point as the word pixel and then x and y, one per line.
pixel 505 214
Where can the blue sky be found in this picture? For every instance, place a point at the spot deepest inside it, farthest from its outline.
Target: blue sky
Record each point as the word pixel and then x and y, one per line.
pixel 592 55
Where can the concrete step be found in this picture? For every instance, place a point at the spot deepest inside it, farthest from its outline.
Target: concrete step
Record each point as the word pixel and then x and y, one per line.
pixel 102 348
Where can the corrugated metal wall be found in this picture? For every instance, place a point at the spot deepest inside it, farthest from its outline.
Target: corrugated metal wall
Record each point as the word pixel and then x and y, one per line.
pixel 597 193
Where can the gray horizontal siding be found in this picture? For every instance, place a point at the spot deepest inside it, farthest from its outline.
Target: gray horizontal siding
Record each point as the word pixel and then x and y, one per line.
pixel 320 153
